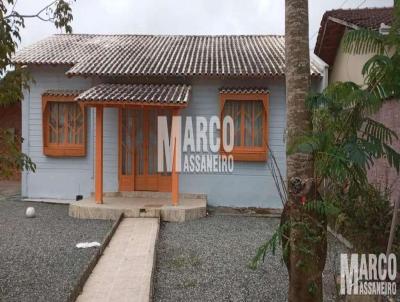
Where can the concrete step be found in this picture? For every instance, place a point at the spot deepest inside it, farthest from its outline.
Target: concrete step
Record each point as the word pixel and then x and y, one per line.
pixel 152 195
pixel 113 207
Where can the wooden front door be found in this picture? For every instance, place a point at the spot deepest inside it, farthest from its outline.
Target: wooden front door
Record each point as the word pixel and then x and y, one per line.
pixel 138 151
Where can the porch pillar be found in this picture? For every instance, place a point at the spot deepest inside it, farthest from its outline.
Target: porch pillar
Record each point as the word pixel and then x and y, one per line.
pixel 175 174
pixel 99 156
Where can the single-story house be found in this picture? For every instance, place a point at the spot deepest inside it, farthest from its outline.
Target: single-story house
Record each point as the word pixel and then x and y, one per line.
pixel 347 67
pixel 89 120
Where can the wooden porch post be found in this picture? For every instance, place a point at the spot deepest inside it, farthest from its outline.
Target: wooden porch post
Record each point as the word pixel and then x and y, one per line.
pixel 99 156
pixel 175 174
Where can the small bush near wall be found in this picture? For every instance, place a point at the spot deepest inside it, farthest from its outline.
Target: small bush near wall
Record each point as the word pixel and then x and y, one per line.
pixel 366 222
pixel 10 120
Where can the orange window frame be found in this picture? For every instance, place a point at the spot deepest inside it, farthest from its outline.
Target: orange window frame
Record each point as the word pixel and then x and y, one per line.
pixel 63 149
pixel 248 153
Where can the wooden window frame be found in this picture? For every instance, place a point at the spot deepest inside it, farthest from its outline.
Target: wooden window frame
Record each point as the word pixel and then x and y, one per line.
pixel 61 150
pixel 242 153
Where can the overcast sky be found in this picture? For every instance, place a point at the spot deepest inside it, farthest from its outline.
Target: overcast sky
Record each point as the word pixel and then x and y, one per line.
pixel 182 16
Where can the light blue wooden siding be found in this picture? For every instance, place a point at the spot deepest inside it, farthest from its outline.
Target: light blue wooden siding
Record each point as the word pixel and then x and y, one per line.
pixel 251 183
pixel 110 149
pixel 63 178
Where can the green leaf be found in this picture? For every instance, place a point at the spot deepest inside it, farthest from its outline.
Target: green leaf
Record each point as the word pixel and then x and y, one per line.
pixel 363 41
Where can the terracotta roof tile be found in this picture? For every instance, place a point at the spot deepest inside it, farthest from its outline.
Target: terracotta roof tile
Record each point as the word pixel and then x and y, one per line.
pixel 137 93
pixel 156 55
pixel 364 17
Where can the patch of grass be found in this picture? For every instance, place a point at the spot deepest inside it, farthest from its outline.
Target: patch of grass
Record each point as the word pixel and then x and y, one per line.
pixel 194 261
pixel 184 261
pixel 188 284
pixel 178 262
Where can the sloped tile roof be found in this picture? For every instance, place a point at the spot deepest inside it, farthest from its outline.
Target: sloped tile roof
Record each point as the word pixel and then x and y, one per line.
pixel 137 93
pixel 156 55
pixel 331 32
pixel 370 18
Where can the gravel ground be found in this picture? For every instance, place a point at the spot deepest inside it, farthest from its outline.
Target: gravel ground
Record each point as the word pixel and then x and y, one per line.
pixel 207 260
pixel 38 258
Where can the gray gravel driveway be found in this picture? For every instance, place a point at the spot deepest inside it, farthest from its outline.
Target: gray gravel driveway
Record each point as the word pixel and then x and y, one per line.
pixel 207 260
pixel 38 258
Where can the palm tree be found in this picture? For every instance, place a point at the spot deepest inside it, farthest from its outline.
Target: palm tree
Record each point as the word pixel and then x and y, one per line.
pixel 331 142
pixel 304 268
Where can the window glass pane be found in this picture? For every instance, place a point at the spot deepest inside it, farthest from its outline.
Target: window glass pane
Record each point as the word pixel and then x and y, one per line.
pixel 152 143
pixel 74 123
pixel 248 123
pixel 60 124
pixel 65 122
pixel 168 114
pixel 233 108
pixel 79 125
pixel 139 141
pixel 127 128
pixel 70 123
pixel 258 123
pixel 53 118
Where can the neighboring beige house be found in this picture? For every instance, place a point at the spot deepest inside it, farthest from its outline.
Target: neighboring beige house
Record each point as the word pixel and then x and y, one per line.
pixel 347 67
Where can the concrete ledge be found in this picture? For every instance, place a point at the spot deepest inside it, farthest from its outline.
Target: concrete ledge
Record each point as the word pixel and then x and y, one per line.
pixel 250 212
pixel 49 200
pixel 140 207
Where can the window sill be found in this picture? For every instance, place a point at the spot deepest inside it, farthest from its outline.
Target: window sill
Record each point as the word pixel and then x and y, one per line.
pixel 248 155
pixel 64 151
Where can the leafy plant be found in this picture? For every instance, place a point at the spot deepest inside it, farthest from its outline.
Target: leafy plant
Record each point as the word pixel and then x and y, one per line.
pixel 14 78
pixel 382 71
pixel 366 216
pixel 344 143
pixel 11 158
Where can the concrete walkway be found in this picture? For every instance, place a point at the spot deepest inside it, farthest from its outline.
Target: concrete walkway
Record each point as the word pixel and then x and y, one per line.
pixel 124 271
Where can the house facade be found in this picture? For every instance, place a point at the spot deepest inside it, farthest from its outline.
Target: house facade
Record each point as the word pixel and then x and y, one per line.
pixel 347 67
pixel 89 120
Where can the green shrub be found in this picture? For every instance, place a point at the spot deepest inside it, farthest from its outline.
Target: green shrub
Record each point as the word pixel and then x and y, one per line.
pixel 365 220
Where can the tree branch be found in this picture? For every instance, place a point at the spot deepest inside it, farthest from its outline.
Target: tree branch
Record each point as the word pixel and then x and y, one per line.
pixel 14 14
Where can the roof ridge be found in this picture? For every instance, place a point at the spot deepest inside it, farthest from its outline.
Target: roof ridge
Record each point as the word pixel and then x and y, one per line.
pixel 359 9
pixel 168 35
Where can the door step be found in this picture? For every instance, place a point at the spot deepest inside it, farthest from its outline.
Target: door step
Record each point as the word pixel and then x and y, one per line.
pixel 150 194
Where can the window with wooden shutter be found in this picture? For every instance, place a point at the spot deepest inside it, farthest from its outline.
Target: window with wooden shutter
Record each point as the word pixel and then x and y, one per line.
pixel 64 126
pixel 249 112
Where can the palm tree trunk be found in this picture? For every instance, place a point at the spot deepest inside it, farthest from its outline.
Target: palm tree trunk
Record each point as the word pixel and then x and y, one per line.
pixel 305 269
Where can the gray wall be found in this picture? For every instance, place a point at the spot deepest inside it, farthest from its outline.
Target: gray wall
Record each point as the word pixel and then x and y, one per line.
pixel 250 185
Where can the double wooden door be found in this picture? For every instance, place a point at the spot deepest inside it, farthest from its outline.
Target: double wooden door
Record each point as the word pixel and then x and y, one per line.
pixel 138 151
